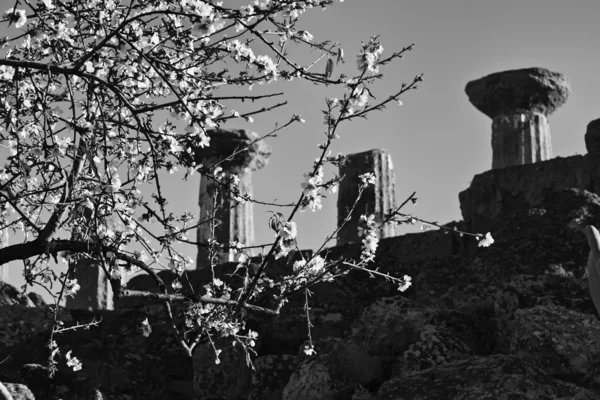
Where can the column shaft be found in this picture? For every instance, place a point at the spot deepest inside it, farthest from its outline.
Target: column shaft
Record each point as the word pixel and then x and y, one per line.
pixel 376 199
pixel 521 138
pixel 235 220
pixel 95 292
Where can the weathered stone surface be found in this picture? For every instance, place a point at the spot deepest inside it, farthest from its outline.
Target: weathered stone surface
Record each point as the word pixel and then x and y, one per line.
pixel 553 336
pixel 10 295
pixel 310 381
pixel 271 375
pixel 526 90
pixel 19 322
pixel 403 328
pixel 376 199
pixel 437 345
pixel 236 218
pixel 285 333
pixel 492 377
pixel 398 255
pixel 407 339
pixel 117 359
pixel 37 300
pixel 18 392
pixel 39 380
pixel 230 376
pixel 336 371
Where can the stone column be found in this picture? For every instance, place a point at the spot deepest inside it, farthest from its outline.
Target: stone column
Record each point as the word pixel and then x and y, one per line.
pixel 376 199
pixel 592 143
pixel 236 220
pixel 95 291
pixel 4 243
pixel 519 103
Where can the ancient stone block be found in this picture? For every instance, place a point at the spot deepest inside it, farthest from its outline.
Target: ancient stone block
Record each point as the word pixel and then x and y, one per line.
pixel 377 199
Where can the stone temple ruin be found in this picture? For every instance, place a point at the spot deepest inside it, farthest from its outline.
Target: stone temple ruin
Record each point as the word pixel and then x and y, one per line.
pixel 512 320
pixel 519 103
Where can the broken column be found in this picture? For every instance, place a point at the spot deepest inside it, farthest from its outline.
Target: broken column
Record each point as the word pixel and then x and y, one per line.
pixel 519 103
pixel 592 143
pixel 376 200
pixel 235 219
pixel 4 243
pixel 95 292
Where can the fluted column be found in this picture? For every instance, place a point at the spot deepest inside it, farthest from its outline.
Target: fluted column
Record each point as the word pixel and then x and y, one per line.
pixel 519 103
pixel 519 139
pixel 377 199
pixel 235 219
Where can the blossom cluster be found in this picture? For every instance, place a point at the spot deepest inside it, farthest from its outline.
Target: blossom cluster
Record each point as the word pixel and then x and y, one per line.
pixel 369 56
pixel 369 232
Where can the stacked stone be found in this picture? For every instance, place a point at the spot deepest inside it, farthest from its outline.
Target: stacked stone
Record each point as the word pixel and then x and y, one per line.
pixel 4 243
pixel 376 200
pixel 592 143
pixel 519 103
pixel 234 220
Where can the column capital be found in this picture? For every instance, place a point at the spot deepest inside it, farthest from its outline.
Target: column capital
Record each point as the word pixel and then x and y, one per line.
pixel 527 90
pixel 225 142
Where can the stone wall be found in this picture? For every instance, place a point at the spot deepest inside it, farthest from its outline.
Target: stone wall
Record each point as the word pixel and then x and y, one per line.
pixel 411 248
pixel 521 186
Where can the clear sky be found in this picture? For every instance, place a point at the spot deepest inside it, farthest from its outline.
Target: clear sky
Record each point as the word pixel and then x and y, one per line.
pixel 437 139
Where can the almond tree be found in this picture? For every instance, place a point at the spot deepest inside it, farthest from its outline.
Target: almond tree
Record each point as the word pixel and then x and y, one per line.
pixel 98 96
